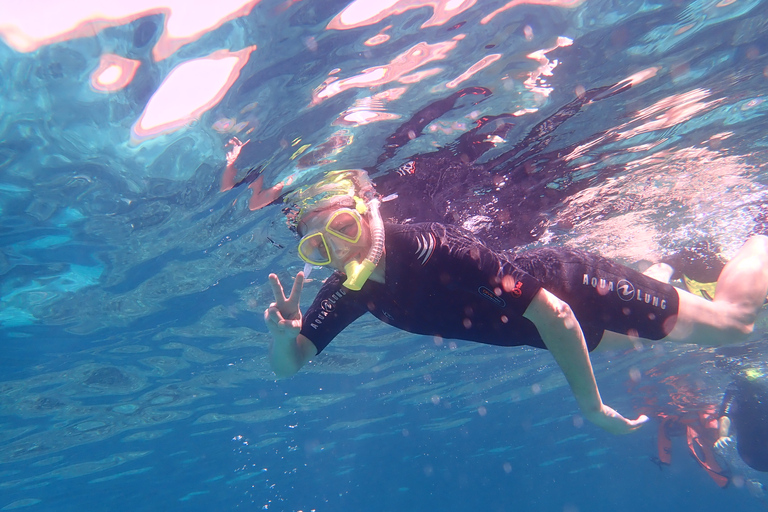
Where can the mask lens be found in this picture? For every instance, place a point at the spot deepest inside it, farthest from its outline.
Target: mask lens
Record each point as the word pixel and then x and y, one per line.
pixel 314 250
pixel 345 224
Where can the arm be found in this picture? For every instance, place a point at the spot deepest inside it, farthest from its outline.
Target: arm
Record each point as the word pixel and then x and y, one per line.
pixel 723 432
pixel 288 350
pixel 288 355
pixel 724 423
pixel 228 178
pixel 562 335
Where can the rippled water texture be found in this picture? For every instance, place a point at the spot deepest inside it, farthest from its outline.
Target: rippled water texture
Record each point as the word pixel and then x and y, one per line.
pixel 133 372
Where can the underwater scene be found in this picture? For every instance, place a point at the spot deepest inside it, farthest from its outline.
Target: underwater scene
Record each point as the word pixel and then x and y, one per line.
pixel 148 152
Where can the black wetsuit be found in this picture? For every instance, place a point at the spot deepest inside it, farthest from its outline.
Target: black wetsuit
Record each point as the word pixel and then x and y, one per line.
pixel 746 404
pixel 441 281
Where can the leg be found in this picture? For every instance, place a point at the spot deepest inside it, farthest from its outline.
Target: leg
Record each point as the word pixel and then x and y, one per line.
pixel 739 296
pixel 616 341
pixel 744 279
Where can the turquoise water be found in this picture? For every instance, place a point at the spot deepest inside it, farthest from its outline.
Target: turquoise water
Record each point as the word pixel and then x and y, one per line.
pixel 133 372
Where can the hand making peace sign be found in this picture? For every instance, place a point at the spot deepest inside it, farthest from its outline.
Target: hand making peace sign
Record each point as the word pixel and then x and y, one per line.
pixel 283 317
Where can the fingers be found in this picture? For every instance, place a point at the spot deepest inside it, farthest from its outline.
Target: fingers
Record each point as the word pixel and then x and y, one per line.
pixel 298 285
pixel 722 442
pixel 279 325
pixel 279 292
pixel 632 425
pixel 628 426
pixel 639 422
pixel 610 420
pixel 287 312
pixel 235 142
pixel 272 314
pixel 277 289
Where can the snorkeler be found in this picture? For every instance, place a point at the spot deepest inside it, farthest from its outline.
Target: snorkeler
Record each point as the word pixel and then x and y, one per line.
pixel 700 431
pixel 708 429
pixel 440 280
pixel 745 410
pixel 688 416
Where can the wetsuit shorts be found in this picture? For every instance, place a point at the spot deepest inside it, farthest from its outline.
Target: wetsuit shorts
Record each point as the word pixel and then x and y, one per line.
pixel 602 294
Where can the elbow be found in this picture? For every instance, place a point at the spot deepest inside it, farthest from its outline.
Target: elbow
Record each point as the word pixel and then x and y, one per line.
pixel 551 314
pixel 566 316
pixel 283 372
pixel 591 411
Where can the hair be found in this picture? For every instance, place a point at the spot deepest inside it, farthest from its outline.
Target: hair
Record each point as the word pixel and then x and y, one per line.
pixel 332 203
pixel 337 189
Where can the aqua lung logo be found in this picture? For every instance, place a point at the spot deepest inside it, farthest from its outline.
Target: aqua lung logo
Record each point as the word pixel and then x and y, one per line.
pixel 487 293
pixel 626 291
pixel 326 306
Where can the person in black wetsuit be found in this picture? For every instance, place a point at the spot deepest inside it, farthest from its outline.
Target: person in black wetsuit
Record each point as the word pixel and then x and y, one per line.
pixel 745 410
pixel 440 280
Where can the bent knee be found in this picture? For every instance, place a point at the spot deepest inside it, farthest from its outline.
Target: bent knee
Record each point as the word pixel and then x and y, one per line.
pixel 705 322
pixel 759 240
pixel 743 327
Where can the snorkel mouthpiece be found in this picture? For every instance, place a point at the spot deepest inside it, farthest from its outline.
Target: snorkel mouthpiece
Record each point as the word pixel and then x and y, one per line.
pixel 358 274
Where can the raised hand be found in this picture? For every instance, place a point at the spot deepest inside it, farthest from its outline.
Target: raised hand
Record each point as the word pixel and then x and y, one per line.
pixel 723 442
pixel 235 151
pixel 283 317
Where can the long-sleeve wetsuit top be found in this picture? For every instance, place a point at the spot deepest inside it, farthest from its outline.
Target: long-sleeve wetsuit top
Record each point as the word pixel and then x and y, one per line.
pixel 442 281
pixel 745 395
pixel 728 405
pixel 746 403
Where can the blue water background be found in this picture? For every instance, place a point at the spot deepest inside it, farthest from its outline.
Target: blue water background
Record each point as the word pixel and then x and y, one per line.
pixel 133 372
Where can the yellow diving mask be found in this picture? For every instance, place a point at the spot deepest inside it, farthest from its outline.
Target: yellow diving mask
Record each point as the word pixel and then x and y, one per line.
pixel 345 224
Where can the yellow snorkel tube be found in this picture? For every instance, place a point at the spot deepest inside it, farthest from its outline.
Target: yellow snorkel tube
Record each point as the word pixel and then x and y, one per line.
pixel 359 272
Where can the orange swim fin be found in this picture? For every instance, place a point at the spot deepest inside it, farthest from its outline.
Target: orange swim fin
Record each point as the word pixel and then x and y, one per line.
pixel 664 442
pixel 702 452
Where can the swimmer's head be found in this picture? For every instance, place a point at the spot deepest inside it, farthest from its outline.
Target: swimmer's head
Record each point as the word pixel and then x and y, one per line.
pixel 349 191
pixel 334 236
pixel 327 206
